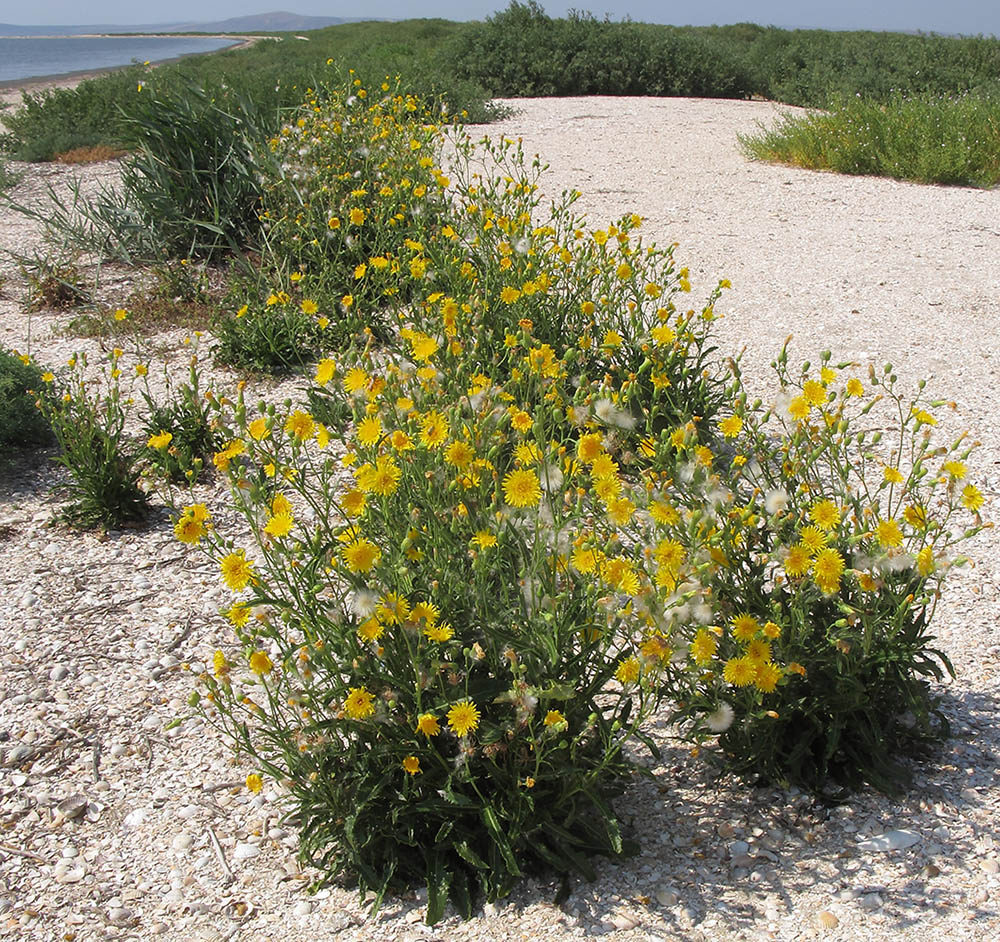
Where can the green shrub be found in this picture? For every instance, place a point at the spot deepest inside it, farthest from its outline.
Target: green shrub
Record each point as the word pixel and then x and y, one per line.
pixel 88 418
pixel 844 524
pixel 926 139
pixel 22 424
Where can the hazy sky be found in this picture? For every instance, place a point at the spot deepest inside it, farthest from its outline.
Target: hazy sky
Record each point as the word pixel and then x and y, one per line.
pixel 950 16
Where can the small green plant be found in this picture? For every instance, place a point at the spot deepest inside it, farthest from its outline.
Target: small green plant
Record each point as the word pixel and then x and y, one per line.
pixel 88 417
pixel 22 424
pixel 54 285
pixel 180 436
pixel 275 337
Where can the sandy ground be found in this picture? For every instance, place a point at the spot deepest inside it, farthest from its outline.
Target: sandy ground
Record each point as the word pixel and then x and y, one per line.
pixel 872 269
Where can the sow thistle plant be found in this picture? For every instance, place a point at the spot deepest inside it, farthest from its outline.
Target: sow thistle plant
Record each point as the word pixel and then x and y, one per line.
pixel 450 633
pixel 845 522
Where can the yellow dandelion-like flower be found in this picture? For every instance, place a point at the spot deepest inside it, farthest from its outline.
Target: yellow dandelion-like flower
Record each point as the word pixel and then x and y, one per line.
pixel 827 570
pixel 360 555
pixel 825 514
pixel 797 560
pixel 759 650
pixel 463 718
pixel 799 408
pixel 188 530
pixel 428 725
pixel 954 469
pixel 300 425
pixel 664 513
pixel 731 426
pixel 813 539
pixel 662 334
pixel 745 627
pixel 925 561
pixel 353 503
pixel 767 677
pixel 258 429
pixel 891 475
pixel 393 608
pixel 522 488
pixel 411 765
pixel 355 380
pixel 279 525
pixel 238 614
pixel 254 783
pixel 771 630
pixel 260 663
pixel 160 441
pixel 371 629
pixel 703 647
pixel 484 539
pixel 357 216
pixel 369 430
pixel 360 703
pixel 433 429
pixel 888 533
pixel 237 570
pixel 972 498
pixel 440 633
pixel 620 510
pixel 740 671
pixel 590 447
pixel 607 487
pixel 459 454
pixel 854 387
pixel 814 392
pixel 627 671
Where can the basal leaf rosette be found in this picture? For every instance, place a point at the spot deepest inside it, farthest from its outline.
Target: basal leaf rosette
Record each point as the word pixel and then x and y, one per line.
pixel 848 519
pixel 452 621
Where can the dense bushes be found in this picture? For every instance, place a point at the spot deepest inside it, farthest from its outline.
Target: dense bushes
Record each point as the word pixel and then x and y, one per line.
pixel 22 425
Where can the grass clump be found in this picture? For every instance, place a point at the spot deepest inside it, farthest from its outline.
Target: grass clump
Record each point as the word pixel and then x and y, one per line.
pixel 950 140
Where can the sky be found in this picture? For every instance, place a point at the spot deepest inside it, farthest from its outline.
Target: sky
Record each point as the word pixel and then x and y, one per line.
pixel 952 16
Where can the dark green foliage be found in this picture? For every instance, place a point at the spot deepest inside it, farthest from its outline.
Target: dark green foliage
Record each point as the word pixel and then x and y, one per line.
pixel 22 425
pixel 276 339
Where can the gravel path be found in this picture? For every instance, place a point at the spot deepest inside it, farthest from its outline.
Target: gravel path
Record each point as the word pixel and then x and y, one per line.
pixel 112 827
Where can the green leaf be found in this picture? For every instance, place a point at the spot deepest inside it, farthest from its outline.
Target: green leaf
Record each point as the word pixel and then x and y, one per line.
pixel 437 889
pixel 500 840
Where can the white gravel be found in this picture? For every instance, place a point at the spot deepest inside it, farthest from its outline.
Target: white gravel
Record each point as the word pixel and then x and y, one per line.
pixel 112 827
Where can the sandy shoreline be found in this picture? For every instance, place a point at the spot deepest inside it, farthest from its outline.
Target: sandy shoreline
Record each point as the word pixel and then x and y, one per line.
pixel 12 89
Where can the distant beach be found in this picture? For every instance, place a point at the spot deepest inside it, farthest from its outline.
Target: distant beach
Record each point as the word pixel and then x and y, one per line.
pixel 11 89
pixel 31 59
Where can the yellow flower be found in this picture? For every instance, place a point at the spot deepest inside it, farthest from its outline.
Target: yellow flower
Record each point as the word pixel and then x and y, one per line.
pixel 731 426
pixel 745 627
pixel 799 408
pixel 238 614
pixel 355 380
pixel 740 671
pixel 771 630
pixel 797 560
pixel 554 718
pixel 483 539
pixel 584 560
pixel 260 663
pixel 258 429
pixel 463 718
pixel 393 608
pixel 369 430
pixel 255 783
pixel 360 703
pixel 353 502
pixel 360 555
pixel 663 334
pixel 121 314
pixel 925 561
pixel 814 392
pixel 309 306
pixel 627 671
pixel 440 633
pixel 160 440
pixel 663 513
pixel 411 765
pixel 767 677
pixel 972 498
pixel 279 525
pixel 357 216
pixel 827 569
pixel 891 475
pixel 371 629
pixel 954 469
pixel 509 294
pixel 590 447
pixel 459 454
pixel 703 647
pixel 759 650
pixel 428 725
pixel 521 488
pixel 433 429
pixel 220 666
pixel 825 514
pixel 325 371
pixel 813 539
pixel 889 533
pixel 854 387
pixel 237 570
pixel 300 425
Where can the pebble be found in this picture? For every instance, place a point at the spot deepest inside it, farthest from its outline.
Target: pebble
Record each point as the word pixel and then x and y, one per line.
pixel 303 908
pixel 245 851
pixel 870 901
pixel 738 849
pixel 59 672
pixel 182 842
pixel 990 866
pixel 667 896
pixel 890 840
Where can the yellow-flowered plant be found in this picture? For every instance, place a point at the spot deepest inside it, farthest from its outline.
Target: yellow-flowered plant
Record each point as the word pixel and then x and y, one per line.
pixel 842 519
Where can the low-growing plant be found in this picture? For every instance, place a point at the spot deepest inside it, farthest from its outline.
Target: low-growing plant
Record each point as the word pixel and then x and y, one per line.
pixel 22 424
pixel 276 336
pixel 928 139
pixel 180 435
pixel 54 285
pixel 88 417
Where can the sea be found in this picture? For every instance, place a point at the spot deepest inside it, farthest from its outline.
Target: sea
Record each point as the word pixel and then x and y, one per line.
pixel 24 57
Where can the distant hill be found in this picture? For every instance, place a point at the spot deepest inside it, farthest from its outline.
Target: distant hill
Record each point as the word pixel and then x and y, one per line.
pixel 276 22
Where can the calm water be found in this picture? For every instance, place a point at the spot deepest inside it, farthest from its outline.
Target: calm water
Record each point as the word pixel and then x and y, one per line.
pixel 41 55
